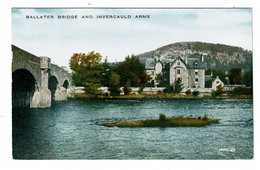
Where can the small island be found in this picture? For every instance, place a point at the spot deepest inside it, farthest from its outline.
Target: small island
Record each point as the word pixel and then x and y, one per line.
pixel 163 121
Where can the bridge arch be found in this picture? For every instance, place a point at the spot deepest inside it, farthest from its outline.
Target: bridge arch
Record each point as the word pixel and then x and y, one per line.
pixel 24 85
pixel 66 84
pixel 53 85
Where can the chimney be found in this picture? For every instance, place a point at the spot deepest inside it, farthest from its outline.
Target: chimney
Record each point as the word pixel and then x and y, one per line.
pixel 202 58
pixel 186 60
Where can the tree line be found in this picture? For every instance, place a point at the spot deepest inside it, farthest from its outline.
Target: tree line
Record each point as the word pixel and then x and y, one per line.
pixel 90 72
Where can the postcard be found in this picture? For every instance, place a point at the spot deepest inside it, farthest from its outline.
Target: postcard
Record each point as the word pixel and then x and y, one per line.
pixel 132 84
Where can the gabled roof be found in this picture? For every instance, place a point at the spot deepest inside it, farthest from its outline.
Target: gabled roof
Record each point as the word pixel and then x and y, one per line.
pixel 192 63
pixel 148 63
pixel 216 79
pixel 179 58
pixel 195 63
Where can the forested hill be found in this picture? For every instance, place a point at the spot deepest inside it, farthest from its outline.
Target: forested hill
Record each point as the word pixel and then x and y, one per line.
pixel 217 56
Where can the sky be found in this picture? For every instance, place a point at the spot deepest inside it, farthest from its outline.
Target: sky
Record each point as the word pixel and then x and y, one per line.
pixel 116 38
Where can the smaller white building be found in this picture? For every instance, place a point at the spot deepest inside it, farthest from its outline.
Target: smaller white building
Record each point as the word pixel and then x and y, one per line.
pixel 216 82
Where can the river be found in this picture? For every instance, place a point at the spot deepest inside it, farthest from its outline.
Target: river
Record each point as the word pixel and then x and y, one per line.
pixel 70 130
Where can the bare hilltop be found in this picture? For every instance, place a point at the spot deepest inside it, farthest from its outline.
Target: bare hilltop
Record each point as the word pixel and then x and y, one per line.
pixel 217 56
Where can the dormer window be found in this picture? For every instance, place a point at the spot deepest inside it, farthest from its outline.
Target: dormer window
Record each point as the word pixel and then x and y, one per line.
pixel 196 63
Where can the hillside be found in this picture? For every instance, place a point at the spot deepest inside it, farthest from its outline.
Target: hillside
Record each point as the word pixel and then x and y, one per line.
pixel 217 56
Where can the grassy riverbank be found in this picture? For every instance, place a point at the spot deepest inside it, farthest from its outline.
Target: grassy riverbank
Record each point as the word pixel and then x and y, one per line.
pixel 176 121
pixel 138 96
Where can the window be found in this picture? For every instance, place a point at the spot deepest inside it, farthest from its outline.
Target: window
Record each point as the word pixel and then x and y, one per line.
pixel 178 71
pixel 196 72
pixel 178 63
pixel 217 82
pixel 196 63
pixel 196 80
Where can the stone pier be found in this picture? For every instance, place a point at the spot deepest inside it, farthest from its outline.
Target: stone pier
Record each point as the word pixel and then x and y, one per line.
pixel 42 97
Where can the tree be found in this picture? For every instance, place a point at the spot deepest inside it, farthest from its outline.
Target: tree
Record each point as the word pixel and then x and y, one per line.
pixel 248 78
pixel 86 71
pixel 105 73
pixel 114 84
pixel 130 70
pixel 127 89
pixel 143 79
pixel 235 76
pixel 159 79
pixel 177 86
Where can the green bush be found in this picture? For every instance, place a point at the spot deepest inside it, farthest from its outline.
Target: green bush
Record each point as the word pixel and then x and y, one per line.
pixel 218 92
pixel 150 84
pixel 195 93
pixel 162 117
pixel 140 90
pixel 114 91
pixel 242 91
pixel 188 91
pixel 114 86
pixel 168 89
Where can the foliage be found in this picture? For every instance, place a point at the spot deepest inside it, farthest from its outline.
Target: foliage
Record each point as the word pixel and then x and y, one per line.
pixel 105 73
pixel 235 76
pixel 114 84
pixel 130 70
pixel 216 73
pixel 150 84
pixel 86 71
pixel 177 86
pixel 188 92
pixel 168 89
pixel 159 79
pixel 214 48
pixel 143 79
pixel 218 91
pixel 92 88
pixel 127 89
pixel 248 78
pixel 162 117
pixel 195 93
pixel 242 91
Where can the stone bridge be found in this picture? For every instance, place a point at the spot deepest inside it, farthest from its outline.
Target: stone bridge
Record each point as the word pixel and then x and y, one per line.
pixel 36 81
